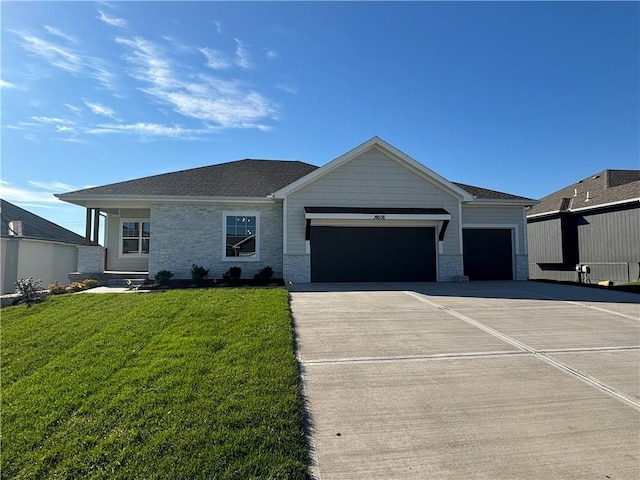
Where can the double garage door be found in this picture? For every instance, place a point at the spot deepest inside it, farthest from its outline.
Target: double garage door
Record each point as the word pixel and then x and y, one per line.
pixel 373 254
pixel 404 254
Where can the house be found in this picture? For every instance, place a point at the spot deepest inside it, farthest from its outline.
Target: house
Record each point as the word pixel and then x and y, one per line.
pixel 34 247
pixel 372 214
pixel 593 223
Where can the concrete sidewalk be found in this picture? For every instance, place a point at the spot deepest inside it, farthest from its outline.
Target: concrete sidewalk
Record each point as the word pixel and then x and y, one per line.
pixel 496 380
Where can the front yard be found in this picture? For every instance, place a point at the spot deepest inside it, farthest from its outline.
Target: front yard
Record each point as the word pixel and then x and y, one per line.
pixel 183 384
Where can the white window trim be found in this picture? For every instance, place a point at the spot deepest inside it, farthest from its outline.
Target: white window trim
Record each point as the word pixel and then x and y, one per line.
pixel 121 238
pixel 242 213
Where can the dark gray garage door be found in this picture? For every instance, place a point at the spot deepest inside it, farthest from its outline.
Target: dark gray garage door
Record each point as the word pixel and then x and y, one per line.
pixel 488 254
pixel 373 254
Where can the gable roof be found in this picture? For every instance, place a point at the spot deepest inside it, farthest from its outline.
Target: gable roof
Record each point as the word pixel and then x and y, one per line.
pixel 253 179
pixel 601 189
pixel 375 142
pixel 34 226
pixel 241 178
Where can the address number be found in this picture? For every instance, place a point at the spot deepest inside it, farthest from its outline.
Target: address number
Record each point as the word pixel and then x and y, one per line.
pixel 378 217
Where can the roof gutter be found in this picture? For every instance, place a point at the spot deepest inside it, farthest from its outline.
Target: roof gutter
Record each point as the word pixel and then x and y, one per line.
pixel 141 201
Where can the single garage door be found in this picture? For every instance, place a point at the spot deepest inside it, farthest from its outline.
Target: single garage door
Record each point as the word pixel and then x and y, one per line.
pixel 373 254
pixel 488 253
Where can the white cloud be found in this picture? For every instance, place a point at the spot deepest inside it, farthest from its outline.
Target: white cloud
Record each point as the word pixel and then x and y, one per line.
pixel 228 103
pixel 53 120
pixel 111 20
pixel 146 130
pixel 56 55
pixel 53 186
pixel 5 84
pixel 20 194
pixel 73 108
pixel 99 109
pixel 243 58
pixel 271 54
pixel 57 32
pixel 218 27
pixel 215 58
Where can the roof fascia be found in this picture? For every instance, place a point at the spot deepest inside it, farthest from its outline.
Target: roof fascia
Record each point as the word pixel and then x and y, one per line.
pixel 478 202
pixel 145 201
pixel 374 142
pixel 582 209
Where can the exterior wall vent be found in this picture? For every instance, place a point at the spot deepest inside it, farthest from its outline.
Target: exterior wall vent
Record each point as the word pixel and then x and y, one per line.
pixel 15 228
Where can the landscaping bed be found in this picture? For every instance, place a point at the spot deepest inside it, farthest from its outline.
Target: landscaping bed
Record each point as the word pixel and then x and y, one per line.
pixel 197 383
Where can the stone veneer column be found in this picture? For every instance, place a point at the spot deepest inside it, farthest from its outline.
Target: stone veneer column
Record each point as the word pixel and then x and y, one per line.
pixel 522 267
pixel 450 268
pixel 91 259
pixel 297 268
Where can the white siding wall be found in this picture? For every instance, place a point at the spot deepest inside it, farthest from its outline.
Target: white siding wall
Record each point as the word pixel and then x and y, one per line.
pixel 372 179
pixel 46 261
pixel 114 260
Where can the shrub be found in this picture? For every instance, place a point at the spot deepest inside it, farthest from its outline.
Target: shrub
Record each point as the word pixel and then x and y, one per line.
pixel 233 274
pixel 198 273
pixel 56 289
pixel 163 277
pixel 75 287
pixel 28 289
pixel 264 275
pixel 89 283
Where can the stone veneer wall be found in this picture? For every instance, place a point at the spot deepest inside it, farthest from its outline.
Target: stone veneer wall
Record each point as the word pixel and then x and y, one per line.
pixel 522 267
pixel 182 235
pixel 297 268
pixel 450 268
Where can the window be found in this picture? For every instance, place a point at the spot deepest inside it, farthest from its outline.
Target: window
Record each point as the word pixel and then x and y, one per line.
pixel 135 237
pixel 241 236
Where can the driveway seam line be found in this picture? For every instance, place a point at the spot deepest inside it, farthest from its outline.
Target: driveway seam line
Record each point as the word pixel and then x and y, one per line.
pixel 580 304
pixel 547 359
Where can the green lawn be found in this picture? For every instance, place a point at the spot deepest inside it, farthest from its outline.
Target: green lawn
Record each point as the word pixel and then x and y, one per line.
pixel 183 384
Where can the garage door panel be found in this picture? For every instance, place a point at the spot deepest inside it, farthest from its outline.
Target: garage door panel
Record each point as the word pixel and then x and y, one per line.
pixel 488 253
pixel 373 254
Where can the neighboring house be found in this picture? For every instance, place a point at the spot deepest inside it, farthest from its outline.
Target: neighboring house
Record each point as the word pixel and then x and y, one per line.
pixel 594 222
pixel 34 247
pixel 372 214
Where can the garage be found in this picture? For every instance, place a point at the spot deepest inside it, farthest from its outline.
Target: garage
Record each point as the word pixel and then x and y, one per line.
pixel 488 253
pixel 372 254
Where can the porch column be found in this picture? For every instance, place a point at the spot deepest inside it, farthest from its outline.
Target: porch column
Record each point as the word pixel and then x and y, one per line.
pixel 92 227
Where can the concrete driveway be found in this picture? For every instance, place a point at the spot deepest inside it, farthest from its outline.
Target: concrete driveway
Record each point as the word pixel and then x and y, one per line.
pixel 487 380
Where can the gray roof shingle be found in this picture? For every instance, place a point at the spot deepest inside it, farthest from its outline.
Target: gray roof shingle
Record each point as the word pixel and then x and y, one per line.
pixel 605 187
pixel 241 178
pixel 486 194
pixel 34 226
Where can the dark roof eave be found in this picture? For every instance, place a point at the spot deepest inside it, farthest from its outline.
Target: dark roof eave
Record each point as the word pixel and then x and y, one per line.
pixel 127 200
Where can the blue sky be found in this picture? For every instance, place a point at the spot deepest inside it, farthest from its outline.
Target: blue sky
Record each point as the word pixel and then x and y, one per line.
pixel 523 97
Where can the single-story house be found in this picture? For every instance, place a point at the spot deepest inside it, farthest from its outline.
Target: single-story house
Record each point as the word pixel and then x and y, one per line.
pixel 372 214
pixel 593 223
pixel 34 247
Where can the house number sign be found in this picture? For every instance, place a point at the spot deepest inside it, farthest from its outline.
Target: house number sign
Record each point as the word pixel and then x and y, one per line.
pixel 378 217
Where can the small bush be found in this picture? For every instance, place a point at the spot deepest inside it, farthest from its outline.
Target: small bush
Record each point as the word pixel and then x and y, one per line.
pixel 56 289
pixel 75 287
pixel 198 273
pixel 28 289
pixel 233 274
pixel 163 277
pixel 89 283
pixel 264 275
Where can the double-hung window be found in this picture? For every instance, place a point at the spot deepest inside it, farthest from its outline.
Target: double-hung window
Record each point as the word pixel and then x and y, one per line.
pixel 241 241
pixel 134 237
